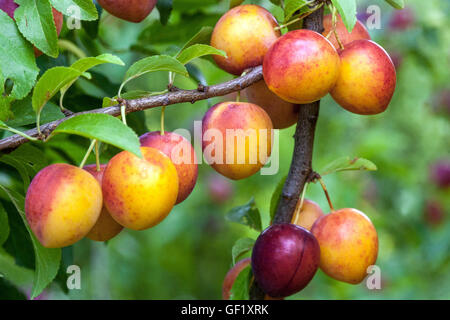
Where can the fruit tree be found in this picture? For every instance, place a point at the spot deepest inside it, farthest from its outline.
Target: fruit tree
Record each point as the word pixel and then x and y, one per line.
pixel 83 167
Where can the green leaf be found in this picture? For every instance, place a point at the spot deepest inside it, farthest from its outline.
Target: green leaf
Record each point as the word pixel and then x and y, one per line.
pixel 235 3
pixel 347 164
pixel 276 197
pixel 47 260
pixel 35 21
pixel 203 36
pixel 27 160
pixel 397 4
pixel 9 292
pixel 4 225
pixel 248 215
pixel 24 114
pixel 241 286
pixel 102 127
pixel 86 9
pixel 85 64
pixel 347 11
pixel 50 83
pixel 18 275
pixel 5 108
pixel 165 9
pixel 291 6
pixel 19 166
pixel 152 64
pixel 240 247
pixel 17 61
pixel 196 51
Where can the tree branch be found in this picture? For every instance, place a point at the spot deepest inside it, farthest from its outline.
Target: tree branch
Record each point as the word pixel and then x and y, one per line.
pixel 301 167
pixel 178 96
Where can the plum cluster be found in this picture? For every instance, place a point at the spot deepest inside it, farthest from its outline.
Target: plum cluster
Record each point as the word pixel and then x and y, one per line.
pixel 65 203
pixel 301 67
pixel 285 257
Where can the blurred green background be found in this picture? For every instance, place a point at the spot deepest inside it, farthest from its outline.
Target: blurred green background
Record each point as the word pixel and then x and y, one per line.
pixel 189 253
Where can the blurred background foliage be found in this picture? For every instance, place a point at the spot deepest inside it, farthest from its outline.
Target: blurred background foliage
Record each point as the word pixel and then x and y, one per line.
pixel 189 253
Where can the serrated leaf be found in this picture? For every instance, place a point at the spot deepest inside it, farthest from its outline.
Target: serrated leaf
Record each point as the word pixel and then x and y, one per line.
pixel 347 164
pixel 203 36
pixel 240 247
pixel 241 286
pixel 47 260
pixel 397 4
pixel 276 197
pixel 102 127
pixel 35 21
pixel 247 214
pixel 291 6
pixel 4 225
pixel 196 51
pixel 152 64
pixel 50 83
pixel 165 9
pixel 17 61
pixel 347 11
pixel 80 9
pixel 235 3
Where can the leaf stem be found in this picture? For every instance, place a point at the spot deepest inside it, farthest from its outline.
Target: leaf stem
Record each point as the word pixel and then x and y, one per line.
pixel 88 152
pixel 8 128
pixel 72 47
pixel 123 113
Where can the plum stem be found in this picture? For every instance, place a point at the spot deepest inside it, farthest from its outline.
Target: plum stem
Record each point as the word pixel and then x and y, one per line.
pixel 163 109
pixel 97 155
pixel 334 23
pixel 301 16
pixel 88 152
pixel 324 187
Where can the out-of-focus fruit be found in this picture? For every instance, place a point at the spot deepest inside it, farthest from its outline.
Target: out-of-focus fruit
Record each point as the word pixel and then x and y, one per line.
pixel 231 277
pixel 282 113
pixel 307 214
pixel 106 227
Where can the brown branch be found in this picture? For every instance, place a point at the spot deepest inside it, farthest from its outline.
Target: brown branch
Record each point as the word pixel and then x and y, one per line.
pixel 174 97
pixel 301 167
